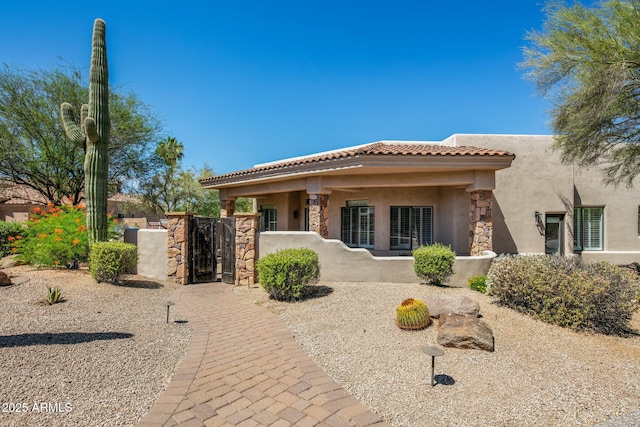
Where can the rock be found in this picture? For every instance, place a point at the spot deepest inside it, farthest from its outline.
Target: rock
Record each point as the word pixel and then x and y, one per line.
pixel 442 303
pixel 4 279
pixel 460 331
pixel 9 261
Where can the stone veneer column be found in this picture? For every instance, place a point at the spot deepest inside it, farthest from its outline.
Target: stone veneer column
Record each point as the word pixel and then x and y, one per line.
pixel 319 214
pixel 228 208
pixel 480 222
pixel 178 247
pixel 246 248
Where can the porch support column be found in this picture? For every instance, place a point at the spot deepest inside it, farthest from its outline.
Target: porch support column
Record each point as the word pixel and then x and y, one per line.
pixel 480 222
pixel 319 214
pixel 178 246
pixel 247 226
pixel 227 208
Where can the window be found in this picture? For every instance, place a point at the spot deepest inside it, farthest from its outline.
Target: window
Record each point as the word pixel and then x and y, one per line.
pixel 587 229
pixel 411 226
pixel 269 218
pixel 358 229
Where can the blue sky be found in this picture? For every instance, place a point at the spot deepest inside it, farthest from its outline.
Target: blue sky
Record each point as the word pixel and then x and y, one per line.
pixel 241 83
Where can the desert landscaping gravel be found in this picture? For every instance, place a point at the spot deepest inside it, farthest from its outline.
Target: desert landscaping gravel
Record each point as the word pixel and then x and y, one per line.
pixel 538 375
pixel 100 358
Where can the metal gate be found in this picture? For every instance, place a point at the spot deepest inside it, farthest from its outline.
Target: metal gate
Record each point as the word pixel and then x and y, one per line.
pixel 212 243
pixel 227 239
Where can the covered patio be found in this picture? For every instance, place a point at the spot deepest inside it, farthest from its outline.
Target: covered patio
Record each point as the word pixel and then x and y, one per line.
pixel 388 197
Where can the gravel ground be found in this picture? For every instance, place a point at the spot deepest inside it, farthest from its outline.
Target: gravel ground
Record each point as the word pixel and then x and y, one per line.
pixel 101 357
pixel 539 374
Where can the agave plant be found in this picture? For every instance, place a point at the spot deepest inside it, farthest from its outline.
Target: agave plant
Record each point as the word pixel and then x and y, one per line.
pixel 412 314
pixel 54 295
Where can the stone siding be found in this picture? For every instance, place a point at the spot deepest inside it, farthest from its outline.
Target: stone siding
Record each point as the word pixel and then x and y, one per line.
pixel 178 247
pixel 480 222
pixel 319 214
pixel 246 248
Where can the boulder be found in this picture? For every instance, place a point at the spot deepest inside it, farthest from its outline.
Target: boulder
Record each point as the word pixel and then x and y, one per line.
pixel 442 303
pixel 8 261
pixel 460 331
pixel 4 279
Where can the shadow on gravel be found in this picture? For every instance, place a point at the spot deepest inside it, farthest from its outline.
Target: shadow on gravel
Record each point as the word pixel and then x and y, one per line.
pixel 318 292
pixel 444 380
pixel 141 284
pixel 23 340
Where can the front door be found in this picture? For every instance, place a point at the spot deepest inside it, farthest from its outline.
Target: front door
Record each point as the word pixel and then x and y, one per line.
pixel 554 234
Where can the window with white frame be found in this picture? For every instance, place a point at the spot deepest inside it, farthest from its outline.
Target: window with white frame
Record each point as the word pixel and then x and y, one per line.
pixel 588 228
pixel 358 229
pixel 269 218
pixel 411 226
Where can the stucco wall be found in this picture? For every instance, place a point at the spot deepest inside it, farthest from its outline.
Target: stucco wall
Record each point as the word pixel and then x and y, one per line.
pixel 538 181
pixel 152 252
pixel 339 263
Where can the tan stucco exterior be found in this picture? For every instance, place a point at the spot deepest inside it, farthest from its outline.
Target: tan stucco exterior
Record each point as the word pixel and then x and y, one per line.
pixel 538 181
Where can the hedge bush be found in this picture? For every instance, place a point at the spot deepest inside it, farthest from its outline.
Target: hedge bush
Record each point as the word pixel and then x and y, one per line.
pixel 8 232
pixel 434 263
pixel 567 291
pixel 109 261
pixel 478 283
pixel 287 274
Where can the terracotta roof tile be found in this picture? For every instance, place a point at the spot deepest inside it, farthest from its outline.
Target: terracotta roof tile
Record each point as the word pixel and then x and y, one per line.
pixel 374 149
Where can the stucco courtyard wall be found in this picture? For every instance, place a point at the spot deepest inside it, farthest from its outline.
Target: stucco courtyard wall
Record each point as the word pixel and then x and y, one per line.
pixel 339 263
pixel 152 252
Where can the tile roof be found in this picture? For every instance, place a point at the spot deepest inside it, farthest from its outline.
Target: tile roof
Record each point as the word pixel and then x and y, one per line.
pixel 374 149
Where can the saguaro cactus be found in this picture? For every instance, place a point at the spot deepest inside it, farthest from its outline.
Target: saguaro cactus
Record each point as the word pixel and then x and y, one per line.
pixel 93 135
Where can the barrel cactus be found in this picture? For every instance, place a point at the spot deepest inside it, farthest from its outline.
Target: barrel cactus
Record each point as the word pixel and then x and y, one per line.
pixel 412 314
pixel 92 134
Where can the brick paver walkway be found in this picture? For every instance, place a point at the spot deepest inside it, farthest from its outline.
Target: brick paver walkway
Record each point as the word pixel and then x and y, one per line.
pixel 244 368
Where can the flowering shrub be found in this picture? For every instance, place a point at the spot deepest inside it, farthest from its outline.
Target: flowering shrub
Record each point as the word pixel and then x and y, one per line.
pixel 8 233
pixel 54 236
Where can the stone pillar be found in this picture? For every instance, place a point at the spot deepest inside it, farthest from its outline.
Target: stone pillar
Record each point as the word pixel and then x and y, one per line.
pixel 247 226
pixel 178 247
pixel 319 214
pixel 480 222
pixel 227 208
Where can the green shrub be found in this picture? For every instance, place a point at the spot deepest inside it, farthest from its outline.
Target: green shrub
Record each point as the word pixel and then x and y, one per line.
pixel 478 283
pixel 8 232
pixel 108 261
pixel 434 263
pixel 567 291
pixel 286 274
pixel 412 314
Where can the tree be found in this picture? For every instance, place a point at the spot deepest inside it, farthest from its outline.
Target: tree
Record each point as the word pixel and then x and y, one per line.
pixel 34 150
pixel 587 62
pixel 175 189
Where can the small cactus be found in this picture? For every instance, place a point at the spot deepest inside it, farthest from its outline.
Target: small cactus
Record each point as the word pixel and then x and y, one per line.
pixel 412 314
pixel 54 295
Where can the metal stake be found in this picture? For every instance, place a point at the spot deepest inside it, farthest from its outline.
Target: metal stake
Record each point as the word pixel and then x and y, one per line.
pixel 433 352
pixel 169 304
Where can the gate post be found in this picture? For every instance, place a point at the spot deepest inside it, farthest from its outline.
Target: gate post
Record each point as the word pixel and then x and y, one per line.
pixel 246 248
pixel 178 246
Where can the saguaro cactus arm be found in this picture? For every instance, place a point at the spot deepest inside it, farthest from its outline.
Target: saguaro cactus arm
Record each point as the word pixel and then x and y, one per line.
pixel 71 128
pixel 91 129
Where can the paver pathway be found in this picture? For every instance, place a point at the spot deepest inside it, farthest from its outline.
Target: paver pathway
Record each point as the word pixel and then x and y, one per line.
pixel 244 368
